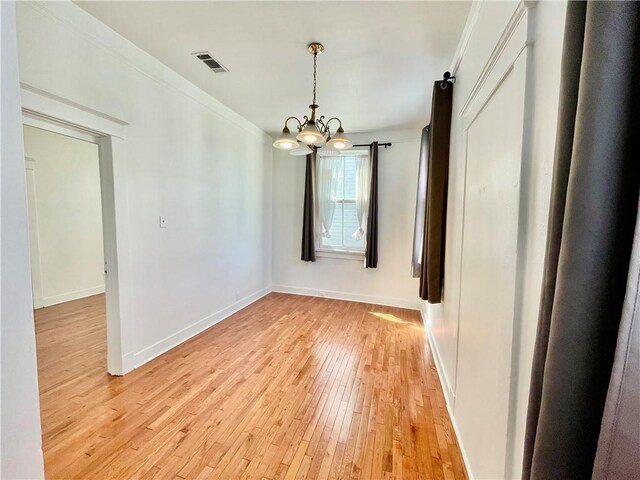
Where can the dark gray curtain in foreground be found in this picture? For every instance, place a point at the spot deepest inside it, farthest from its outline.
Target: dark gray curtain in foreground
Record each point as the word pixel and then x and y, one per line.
pixel 308 234
pixel 421 204
pixel 593 211
pixel 432 265
pixel 371 254
pixel 618 454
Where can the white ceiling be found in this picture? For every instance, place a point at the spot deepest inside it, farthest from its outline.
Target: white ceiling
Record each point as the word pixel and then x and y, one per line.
pixel 375 74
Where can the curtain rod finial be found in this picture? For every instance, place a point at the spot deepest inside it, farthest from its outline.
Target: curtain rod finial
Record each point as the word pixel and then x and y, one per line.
pixel 446 79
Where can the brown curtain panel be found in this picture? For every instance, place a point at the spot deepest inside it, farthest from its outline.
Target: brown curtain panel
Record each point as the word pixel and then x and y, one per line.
pixel 371 254
pixel 594 205
pixel 308 212
pixel 432 263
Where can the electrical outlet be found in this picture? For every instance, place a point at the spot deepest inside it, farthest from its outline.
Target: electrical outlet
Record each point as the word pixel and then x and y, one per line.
pixel 237 295
pixel 163 221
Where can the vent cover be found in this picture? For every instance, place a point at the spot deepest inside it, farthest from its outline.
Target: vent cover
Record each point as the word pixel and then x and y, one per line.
pixel 209 61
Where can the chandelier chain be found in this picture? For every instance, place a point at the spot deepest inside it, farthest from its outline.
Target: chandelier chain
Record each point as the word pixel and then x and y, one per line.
pixel 315 70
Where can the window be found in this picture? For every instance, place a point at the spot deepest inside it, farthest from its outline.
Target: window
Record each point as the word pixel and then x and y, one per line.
pixel 342 190
pixel 421 205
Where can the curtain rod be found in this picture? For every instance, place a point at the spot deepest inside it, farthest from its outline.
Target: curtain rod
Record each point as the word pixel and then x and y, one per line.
pixel 385 145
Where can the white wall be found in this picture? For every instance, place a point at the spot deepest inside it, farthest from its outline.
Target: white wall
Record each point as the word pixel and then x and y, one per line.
pixel 20 441
pixel 452 327
pixel 391 282
pixel 65 206
pixel 186 157
pixel 209 172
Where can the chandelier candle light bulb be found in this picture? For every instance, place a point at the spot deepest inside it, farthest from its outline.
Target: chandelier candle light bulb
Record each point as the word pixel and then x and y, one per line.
pixel 312 132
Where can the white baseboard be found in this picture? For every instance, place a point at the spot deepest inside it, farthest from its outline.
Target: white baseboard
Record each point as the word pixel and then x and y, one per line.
pixel 38 302
pixel 353 297
pixel 75 295
pixel 138 359
pixel 425 317
pixel 446 388
pixel 21 462
pixel 465 458
pixel 128 364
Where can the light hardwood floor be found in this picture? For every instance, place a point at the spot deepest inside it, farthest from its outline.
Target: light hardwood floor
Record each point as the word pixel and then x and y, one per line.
pixel 289 387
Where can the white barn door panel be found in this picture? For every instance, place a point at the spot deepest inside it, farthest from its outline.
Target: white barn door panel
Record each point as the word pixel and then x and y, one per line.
pixel 493 133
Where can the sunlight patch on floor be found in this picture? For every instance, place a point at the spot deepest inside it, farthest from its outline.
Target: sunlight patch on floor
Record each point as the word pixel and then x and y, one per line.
pixel 394 319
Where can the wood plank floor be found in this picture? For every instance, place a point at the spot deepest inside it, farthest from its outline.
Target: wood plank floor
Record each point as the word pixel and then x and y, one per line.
pixel 291 387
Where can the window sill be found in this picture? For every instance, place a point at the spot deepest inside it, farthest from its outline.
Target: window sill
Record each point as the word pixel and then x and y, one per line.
pixel 340 254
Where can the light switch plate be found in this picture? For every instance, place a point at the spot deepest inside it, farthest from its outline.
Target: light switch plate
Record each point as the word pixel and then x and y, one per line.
pixel 163 221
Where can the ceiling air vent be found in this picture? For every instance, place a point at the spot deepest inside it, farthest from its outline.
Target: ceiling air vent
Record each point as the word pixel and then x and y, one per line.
pixel 209 61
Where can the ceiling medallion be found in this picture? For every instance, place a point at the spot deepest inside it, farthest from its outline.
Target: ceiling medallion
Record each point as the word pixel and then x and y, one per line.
pixel 312 132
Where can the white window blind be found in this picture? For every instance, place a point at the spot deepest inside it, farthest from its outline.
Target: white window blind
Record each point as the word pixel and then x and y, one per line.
pixel 342 194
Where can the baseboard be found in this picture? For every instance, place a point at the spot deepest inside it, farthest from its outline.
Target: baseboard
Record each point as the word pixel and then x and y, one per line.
pixel 143 356
pixel 448 392
pixel 447 388
pixel 75 295
pixel 465 458
pixel 21 462
pixel 127 364
pixel 353 297
pixel 423 313
pixel 38 302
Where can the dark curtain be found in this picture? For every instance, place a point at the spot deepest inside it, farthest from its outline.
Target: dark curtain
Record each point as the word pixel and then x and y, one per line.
pixel 592 218
pixel 371 254
pixel 618 454
pixel 432 267
pixel 308 234
pixel 421 203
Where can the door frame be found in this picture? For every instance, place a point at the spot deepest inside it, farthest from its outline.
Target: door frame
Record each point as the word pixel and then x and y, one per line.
pixel 50 112
pixel 34 234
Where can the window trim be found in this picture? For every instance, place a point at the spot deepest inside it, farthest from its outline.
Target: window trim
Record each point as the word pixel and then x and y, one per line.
pixel 340 254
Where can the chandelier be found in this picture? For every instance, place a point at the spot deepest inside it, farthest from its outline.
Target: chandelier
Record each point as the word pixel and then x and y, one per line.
pixel 312 132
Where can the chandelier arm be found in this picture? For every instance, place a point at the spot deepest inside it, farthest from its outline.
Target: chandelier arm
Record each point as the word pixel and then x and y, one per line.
pixel 334 118
pixel 321 124
pixel 300 124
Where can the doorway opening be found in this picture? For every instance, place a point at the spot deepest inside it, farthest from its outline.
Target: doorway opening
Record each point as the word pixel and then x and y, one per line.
pixel 64 200
pixel 69 166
